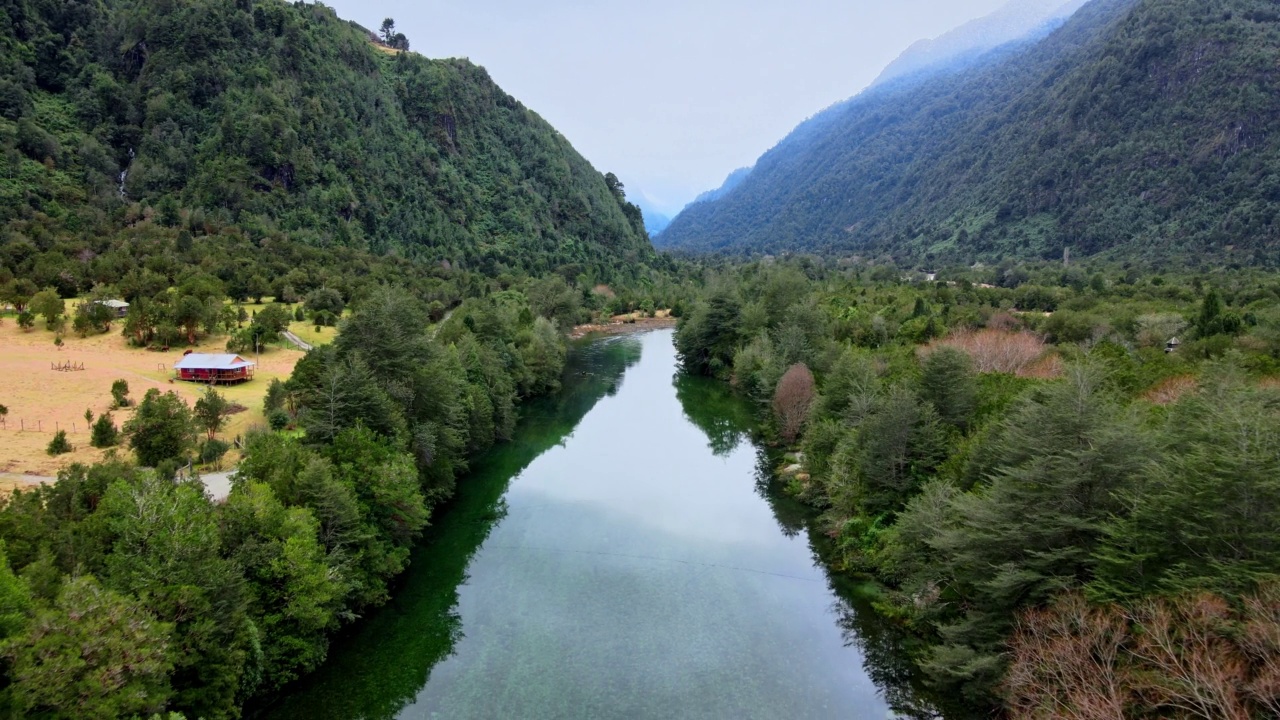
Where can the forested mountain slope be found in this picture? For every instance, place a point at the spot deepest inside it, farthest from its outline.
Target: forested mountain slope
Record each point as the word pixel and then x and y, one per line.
pixel 1017 20
pixel 1143 129
pixel 283 119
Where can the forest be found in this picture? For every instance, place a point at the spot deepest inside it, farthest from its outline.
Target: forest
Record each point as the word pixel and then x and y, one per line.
pixel 1064 478
pixel 125 593
pixel 1142 131
pixel 288 124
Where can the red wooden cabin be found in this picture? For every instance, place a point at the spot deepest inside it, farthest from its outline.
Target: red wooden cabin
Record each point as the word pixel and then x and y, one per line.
pixel 205 368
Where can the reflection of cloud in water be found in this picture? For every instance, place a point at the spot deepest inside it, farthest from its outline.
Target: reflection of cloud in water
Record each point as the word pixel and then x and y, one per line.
pixel 635 455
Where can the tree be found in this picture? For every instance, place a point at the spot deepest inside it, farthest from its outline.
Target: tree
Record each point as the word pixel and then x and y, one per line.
pixel 324 300
pixel 297 591
pixel 59 445
pixel 166 550
pixel 96 654
pixel 948 383
pixel 104 434
pixel 1221 443
pixel 388 30
pixel 211 412
pixel 1052 474
pixel 161 429
pixel 26 319
pixel 791 401
pixel 50 306
pixel 709 336
pixel 18 293
pixel 120 394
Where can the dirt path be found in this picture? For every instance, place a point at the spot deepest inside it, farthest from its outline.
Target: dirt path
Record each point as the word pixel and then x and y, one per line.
pixel 297 341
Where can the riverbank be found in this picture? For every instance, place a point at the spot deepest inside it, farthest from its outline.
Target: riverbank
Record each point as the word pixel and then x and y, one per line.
pixel 624 324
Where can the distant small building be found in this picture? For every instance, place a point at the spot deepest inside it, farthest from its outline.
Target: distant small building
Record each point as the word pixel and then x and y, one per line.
pixel 1172 345
pixel 119 307
pixel 210 368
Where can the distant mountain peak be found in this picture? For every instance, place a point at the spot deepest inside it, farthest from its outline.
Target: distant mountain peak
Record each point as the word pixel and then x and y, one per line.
pixel 1018 20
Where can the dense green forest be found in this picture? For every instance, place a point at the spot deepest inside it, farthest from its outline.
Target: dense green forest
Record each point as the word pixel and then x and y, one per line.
pixel 124 593
pixel 284 123
pixel 1141 130
pixel 1065 478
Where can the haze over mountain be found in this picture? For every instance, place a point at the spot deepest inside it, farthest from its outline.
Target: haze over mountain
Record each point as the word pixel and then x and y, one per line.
pixel 1019 20
pixel 1146 129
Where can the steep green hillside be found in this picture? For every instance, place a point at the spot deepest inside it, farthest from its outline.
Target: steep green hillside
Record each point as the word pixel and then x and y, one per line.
pixel 284 120
pixel 1143 129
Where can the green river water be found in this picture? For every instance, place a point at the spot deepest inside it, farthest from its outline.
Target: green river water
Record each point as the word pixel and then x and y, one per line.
pixel 622 557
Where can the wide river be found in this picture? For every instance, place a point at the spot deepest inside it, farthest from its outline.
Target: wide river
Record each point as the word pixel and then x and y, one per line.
pixel 620 558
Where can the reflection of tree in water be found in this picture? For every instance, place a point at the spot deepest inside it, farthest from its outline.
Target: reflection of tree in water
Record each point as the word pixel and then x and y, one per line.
pixel 379 666
pixel 722 417
pixel 886 652
pixel 792 515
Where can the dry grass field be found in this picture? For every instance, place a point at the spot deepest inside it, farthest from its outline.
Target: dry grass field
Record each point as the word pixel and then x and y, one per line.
pixel 41 400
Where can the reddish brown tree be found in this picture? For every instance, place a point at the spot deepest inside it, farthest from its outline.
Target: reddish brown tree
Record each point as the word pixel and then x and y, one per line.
pixel 792 399
pixel 1065 663
pixel 1193 656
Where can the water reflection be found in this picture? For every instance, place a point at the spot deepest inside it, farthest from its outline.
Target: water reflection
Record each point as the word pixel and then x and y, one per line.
pixel 379 666
pixel 616 561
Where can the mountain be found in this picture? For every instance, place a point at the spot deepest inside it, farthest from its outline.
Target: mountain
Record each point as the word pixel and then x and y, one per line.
pixel 283 120
pixel 1143 129
pixel 1019 20
pixel 734 180
pixel 654 220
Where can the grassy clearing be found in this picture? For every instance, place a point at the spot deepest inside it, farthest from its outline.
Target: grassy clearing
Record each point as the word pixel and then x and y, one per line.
pixel 41 400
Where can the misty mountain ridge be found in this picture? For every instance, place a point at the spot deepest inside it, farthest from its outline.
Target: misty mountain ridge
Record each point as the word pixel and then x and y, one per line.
pixel 1145 130
pixel 1020 20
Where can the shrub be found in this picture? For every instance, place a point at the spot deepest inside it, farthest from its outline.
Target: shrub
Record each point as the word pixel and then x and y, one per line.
pixel 104 434
pixel 278 419
pixel 1015 353
pixel 59 445
pixel 792 399
pixel 120 394
pixel 212 450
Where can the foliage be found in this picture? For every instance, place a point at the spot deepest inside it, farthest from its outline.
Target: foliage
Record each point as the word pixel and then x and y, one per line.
pixel 161 429
pixel 59 445
pixel 233 130
pixel 1190 656
pixel 120 394
pixel 104 433
pixel 211 412
pixel 1018 462
pixel 792 399
pixel 1139 130
pixel 93 654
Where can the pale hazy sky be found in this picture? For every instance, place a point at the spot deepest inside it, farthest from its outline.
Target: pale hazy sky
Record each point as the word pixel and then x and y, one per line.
pixel 672 95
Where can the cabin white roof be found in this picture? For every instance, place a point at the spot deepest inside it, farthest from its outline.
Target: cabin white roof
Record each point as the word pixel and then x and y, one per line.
pixel 114 304
pixel 206 361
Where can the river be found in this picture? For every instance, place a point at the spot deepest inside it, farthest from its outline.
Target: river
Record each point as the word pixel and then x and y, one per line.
pixel 622 557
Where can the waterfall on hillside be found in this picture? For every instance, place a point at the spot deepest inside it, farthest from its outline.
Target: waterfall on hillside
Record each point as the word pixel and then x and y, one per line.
pixel 124 174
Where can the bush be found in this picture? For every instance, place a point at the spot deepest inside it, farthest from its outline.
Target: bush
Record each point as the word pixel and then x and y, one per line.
pixel 792 400
pixel 278 419
pixel 104 433
pixel 212 450
pixel 59 445
pixel 120 394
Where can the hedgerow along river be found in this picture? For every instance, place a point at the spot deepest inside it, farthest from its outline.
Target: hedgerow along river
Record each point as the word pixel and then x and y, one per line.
pixel 621 557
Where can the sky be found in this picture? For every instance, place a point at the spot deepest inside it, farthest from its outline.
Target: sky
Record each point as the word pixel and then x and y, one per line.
pixel 672 95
